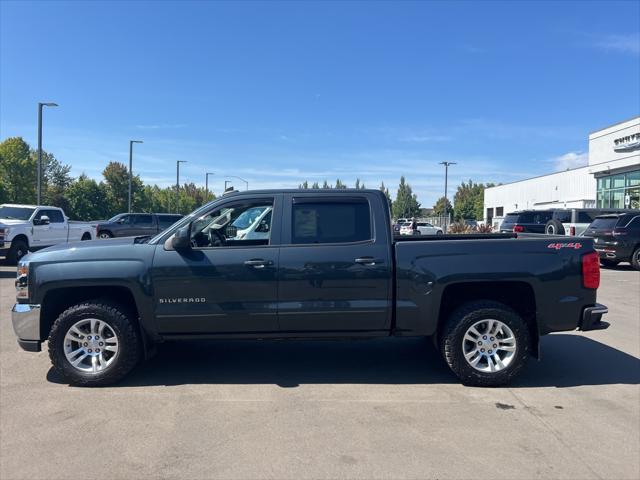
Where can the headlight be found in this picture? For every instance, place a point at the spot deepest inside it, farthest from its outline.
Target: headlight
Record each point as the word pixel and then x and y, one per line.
pixel 22 281
pixel 4 231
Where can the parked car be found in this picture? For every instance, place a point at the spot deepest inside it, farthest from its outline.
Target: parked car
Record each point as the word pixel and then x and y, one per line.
pixel 136 224
pixel 421 228
pixel 616 238
pixel 556 221
pixel 329 267
pixel 25 228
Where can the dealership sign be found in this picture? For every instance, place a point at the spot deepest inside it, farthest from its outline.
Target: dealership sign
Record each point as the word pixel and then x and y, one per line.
pixel 627 143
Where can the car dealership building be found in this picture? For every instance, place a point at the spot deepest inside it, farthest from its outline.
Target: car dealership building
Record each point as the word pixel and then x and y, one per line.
pixel 610 180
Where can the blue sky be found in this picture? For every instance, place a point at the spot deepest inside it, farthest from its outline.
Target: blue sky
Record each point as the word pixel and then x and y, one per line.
pixel 282 92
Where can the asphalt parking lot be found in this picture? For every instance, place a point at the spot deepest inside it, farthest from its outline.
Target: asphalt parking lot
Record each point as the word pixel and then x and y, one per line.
pixel 357 409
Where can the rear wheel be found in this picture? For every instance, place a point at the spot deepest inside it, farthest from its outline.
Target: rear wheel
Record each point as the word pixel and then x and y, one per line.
pixel 94 344
pixel 104 234
pixel 608 263
pixel 18 249
pixel 485 343
pixel 635 259
pixel 86 236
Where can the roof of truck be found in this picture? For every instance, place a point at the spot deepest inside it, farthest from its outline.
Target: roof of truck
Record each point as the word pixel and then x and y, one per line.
pixel 22 205
pixel 305 190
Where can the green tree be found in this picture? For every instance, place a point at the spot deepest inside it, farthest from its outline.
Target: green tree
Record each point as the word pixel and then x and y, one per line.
pixel 340 185
pixel 359 185
pixel 406 203
pixel 468 200
pixel 87 200
pixel 438 208
pixel 56 180
pixel 304 185
pixel 315 185
pixel 116 179
pixel 385 190
pixel 17 172
pixel 326 185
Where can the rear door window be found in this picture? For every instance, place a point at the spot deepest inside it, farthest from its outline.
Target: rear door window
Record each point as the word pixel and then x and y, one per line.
pixel 563 216
pixel 143 220
pixel 330 221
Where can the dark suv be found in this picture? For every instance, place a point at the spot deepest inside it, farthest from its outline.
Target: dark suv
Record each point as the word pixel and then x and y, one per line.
pixel 616 238
pixel 136 224
pixel 554 221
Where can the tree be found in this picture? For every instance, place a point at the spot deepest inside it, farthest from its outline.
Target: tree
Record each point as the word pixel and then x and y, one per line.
pixel 438 208
pixel 385 190
pixel 340 185
pixel 17 172
pixel 56 180
pixel 326 185
pixel 304 185
pixel 116 177
pixel 359 185
pixel 406 204
pixel 469 201
pixel 87 200
pixel 315 185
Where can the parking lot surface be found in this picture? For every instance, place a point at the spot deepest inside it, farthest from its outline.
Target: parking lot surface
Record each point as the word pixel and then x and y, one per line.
pixel 324 409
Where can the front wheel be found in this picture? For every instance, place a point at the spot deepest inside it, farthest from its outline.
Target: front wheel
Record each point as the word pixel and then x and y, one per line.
pixel 485 343
pixel 104 235
pixel 18 249
pixel 94 344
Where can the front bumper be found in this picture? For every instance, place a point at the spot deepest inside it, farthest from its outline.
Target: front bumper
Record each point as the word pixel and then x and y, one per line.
pixel 26 324
pixel 592 318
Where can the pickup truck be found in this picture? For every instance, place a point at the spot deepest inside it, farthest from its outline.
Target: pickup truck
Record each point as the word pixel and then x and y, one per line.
pixel 29 227
pixel 136 224
pixel 325 265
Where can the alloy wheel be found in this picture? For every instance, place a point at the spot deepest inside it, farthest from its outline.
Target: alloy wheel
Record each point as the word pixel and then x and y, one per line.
pixel 90 345
pixel 489 345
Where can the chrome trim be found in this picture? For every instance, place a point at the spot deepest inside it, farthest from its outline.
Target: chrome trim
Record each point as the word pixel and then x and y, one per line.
pixel 26 321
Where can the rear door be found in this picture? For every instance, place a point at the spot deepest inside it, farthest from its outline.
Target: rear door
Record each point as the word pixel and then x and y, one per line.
pixel 335 265
pixel 144 224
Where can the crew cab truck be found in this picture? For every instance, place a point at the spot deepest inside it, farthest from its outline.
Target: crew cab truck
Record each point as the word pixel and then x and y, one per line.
pixel 29 227
pixel 325 265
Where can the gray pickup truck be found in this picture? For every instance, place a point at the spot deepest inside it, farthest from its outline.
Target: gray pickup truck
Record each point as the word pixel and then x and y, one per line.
pixel 304 264
pixel 136 224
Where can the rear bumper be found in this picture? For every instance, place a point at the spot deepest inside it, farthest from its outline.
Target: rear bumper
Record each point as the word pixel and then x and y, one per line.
pixel 592 318
pixel 612 253
pixel 26 324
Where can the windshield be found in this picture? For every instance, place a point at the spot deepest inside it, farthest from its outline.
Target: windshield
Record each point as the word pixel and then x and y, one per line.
pixel 605 223
pixel 16 213
pixel 248 217
pixel 510 218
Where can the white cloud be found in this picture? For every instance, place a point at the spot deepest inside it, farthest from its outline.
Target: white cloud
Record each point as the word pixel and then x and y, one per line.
pixel 570 160
pixel 629 43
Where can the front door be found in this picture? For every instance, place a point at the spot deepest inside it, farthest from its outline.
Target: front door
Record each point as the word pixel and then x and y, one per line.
pixel 335 275
pixel 225 283
pixel 45 234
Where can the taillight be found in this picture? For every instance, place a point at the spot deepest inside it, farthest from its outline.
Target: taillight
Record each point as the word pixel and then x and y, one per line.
pixel 518 228
pixel 591 270
pixel 572 231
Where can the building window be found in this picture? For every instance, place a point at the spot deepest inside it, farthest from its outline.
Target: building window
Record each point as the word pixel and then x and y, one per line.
pixel 619 191
pixel 499 211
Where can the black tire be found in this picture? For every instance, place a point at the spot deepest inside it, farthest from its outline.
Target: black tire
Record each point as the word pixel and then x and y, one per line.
pixel 119 319
pixel 635 258
pixel 86 236
pixel 105 234
pixel 608 263
pixel 451 342
pixel 19 248
pixel 439 232
pixel 554 227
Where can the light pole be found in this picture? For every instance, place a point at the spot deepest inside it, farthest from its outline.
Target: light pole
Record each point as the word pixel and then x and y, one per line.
pixel 446 175
pixel 39 167
pixel 178 162
pixel 239 178
pixel 131 142
pixel 206 184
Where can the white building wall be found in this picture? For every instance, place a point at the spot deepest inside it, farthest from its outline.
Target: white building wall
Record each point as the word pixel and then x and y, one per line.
pixel 570 188
pixel 603 158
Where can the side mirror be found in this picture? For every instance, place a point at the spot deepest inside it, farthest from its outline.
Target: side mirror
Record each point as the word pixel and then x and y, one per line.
pixel 181 240
pixel 43 220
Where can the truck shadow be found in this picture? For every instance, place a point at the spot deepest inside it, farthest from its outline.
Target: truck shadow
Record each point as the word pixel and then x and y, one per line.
pixel 568 360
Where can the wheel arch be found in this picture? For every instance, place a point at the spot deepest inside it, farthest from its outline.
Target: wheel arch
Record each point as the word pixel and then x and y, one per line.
pixel 58 300
pixel 519 296
pixel 21 236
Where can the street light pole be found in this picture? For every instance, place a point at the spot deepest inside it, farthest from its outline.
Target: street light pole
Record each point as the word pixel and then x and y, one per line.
pixel 178 162
pixel 240 178
pixel 446 175
pixel 131 142
pixel 39 166
pixel 206 184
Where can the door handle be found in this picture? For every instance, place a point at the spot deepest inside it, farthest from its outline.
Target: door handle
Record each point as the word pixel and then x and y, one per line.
pixel 257 263
pixel 367 261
